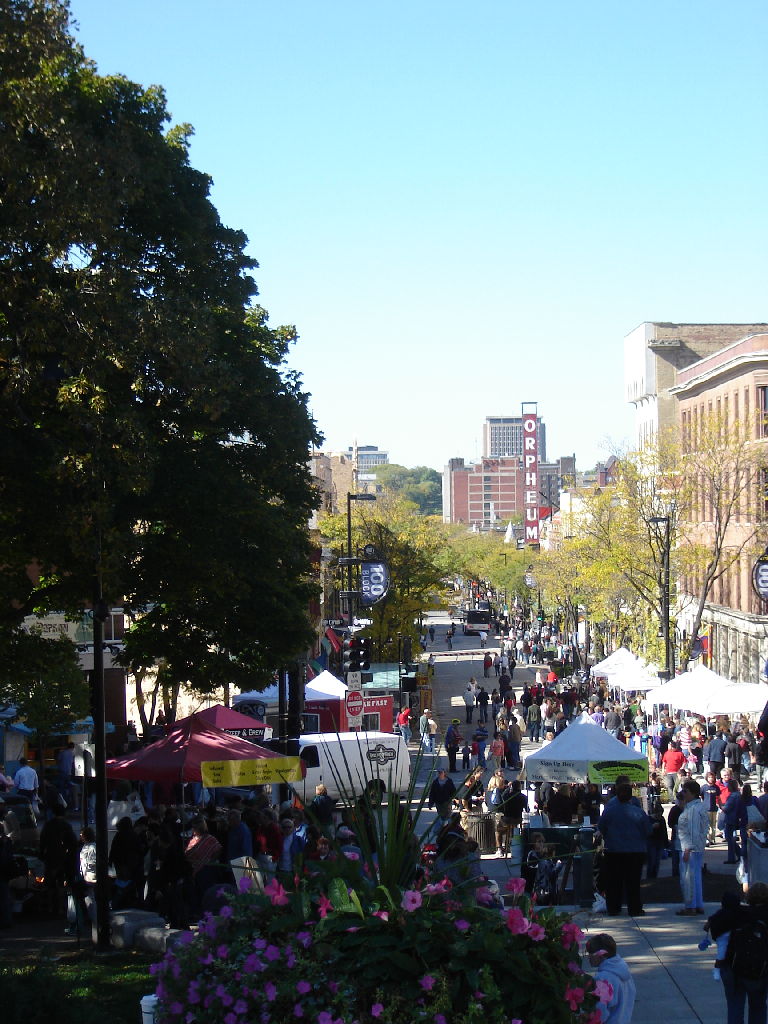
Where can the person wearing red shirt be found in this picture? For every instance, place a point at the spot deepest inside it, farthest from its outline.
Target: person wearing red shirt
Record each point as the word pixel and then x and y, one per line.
pixel 672 760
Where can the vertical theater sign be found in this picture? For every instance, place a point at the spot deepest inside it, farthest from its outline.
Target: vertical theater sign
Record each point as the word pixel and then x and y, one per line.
pixel 530 472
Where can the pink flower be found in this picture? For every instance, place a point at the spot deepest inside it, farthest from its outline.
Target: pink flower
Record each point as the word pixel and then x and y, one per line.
pixel 377 1009
pixel 270 991
pixel 484 896
pixel 461 925
pixel 302 987
pixel 571 935
pixel 427 982
pixel 276 893
pixel 351 855
pixel 411 900
pixel 324 905
pixel 536 933
pixel 603 990
pixel 383 914
pixel 517 922
pixel 515 885
pixel 574 997
pixel 437 888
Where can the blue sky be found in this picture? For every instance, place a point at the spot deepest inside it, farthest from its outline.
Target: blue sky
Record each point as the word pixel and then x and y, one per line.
pixel 467 206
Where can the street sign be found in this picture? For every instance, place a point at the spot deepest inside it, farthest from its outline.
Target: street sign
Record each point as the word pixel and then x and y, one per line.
pixel 355 703
pixel 760 576
pixel 354 680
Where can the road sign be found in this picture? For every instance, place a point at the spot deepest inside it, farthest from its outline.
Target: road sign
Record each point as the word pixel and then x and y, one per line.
pixel 760 576
pixel 355 703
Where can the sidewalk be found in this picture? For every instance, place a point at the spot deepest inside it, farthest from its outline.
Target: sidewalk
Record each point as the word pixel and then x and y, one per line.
pixel 673 977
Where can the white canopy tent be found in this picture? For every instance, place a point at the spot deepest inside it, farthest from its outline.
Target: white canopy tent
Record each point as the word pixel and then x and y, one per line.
pixel 585 752
pixel 691 691
pixel 737 699
pixel 620 660
pixel 324 686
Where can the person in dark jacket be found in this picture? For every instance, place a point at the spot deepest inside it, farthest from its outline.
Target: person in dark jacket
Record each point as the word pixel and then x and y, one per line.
pixel 320 811
pixel 441 794
pixel 126 856
pixel 59 852
pixel 735 814
pixel 733 756
pixel 625 830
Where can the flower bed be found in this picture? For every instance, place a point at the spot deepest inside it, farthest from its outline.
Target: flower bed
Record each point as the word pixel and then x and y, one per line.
pixel 332 952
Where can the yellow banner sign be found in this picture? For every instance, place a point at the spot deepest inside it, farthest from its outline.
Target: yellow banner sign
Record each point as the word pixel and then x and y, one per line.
pixel 258 772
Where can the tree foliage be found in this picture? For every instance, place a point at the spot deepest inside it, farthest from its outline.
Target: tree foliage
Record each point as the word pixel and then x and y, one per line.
pixel 151 432
pixel 421 485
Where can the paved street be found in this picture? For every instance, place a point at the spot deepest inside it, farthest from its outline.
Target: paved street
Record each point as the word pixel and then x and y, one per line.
pixel 673 978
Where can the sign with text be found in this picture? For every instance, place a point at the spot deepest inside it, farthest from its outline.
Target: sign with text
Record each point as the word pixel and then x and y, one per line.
pixel 530 477
pixel 257 772
pixel 374 582
pixel 354 703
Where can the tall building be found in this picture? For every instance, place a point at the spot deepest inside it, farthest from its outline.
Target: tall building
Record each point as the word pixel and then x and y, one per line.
pixel 732 384
pixel 503 437
pixel 654 352
pixel 485 495
pixel 367 456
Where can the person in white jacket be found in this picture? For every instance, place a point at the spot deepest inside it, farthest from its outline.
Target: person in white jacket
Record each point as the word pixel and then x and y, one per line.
pixel 616 987
pixel 692 831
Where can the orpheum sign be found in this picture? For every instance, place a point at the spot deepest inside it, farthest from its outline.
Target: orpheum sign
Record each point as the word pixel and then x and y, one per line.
pixel 531 477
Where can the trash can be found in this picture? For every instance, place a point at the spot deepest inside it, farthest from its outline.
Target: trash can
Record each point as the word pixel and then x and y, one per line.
pixel 482 828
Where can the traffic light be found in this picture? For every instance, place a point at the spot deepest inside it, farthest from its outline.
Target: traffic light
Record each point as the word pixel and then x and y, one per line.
pixel 540 616
pixel 357 654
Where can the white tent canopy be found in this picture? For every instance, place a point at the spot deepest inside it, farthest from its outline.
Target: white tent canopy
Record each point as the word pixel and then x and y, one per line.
pixel 737 699
pixel 585 752
pixel 324 686
pixel 691 691
pixel 621 660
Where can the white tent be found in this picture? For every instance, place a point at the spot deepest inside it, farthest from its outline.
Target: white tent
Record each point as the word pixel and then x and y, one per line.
pixel 620 660
pixel 324 686
pixel 737 699
pixel 585 752
pixel 635 679
pixel 691 691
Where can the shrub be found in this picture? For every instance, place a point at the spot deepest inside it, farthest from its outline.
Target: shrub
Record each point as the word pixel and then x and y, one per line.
pixel 329 953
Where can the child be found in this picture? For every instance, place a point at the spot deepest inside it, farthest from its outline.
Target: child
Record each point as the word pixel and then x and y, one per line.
pixel 718 927
pixel 466 756
pixel 544 869
pixel 611 968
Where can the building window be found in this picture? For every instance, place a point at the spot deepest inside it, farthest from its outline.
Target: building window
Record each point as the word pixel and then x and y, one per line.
pixel 372 722
pixel 762 411
pixel 311 723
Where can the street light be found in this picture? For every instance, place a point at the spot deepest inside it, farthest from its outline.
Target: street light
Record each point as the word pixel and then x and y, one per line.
pixel 664 585
pixel 350 594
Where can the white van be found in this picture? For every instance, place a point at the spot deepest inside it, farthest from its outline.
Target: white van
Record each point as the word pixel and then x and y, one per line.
pixel 352 763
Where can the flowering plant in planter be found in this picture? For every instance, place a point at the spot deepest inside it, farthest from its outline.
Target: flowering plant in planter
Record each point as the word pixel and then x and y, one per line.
pixel 334 953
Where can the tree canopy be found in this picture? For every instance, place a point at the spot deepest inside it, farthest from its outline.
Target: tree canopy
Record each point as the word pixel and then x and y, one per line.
pixel 421 485
pixel 151 431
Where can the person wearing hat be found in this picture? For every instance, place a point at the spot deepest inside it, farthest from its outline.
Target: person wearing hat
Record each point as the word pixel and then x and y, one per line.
pixel 452 743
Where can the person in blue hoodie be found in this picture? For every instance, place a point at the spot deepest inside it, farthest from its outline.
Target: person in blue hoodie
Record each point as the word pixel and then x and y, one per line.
pixel 611 968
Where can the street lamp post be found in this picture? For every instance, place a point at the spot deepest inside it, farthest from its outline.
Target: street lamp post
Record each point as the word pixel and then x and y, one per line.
pixel 350 593
pixel 664 588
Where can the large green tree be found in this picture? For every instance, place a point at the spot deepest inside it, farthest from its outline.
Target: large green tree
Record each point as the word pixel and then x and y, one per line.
pixel 150 431
pixel 421 485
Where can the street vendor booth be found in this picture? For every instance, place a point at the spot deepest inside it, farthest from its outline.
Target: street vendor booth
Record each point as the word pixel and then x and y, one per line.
pixel 585 752
pixel 244 727
pixel 195 751
pixel 582 753
pixel 325 708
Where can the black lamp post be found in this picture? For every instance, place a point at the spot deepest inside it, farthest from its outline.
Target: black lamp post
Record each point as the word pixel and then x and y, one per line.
pixel 350 593
pixel 664 589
